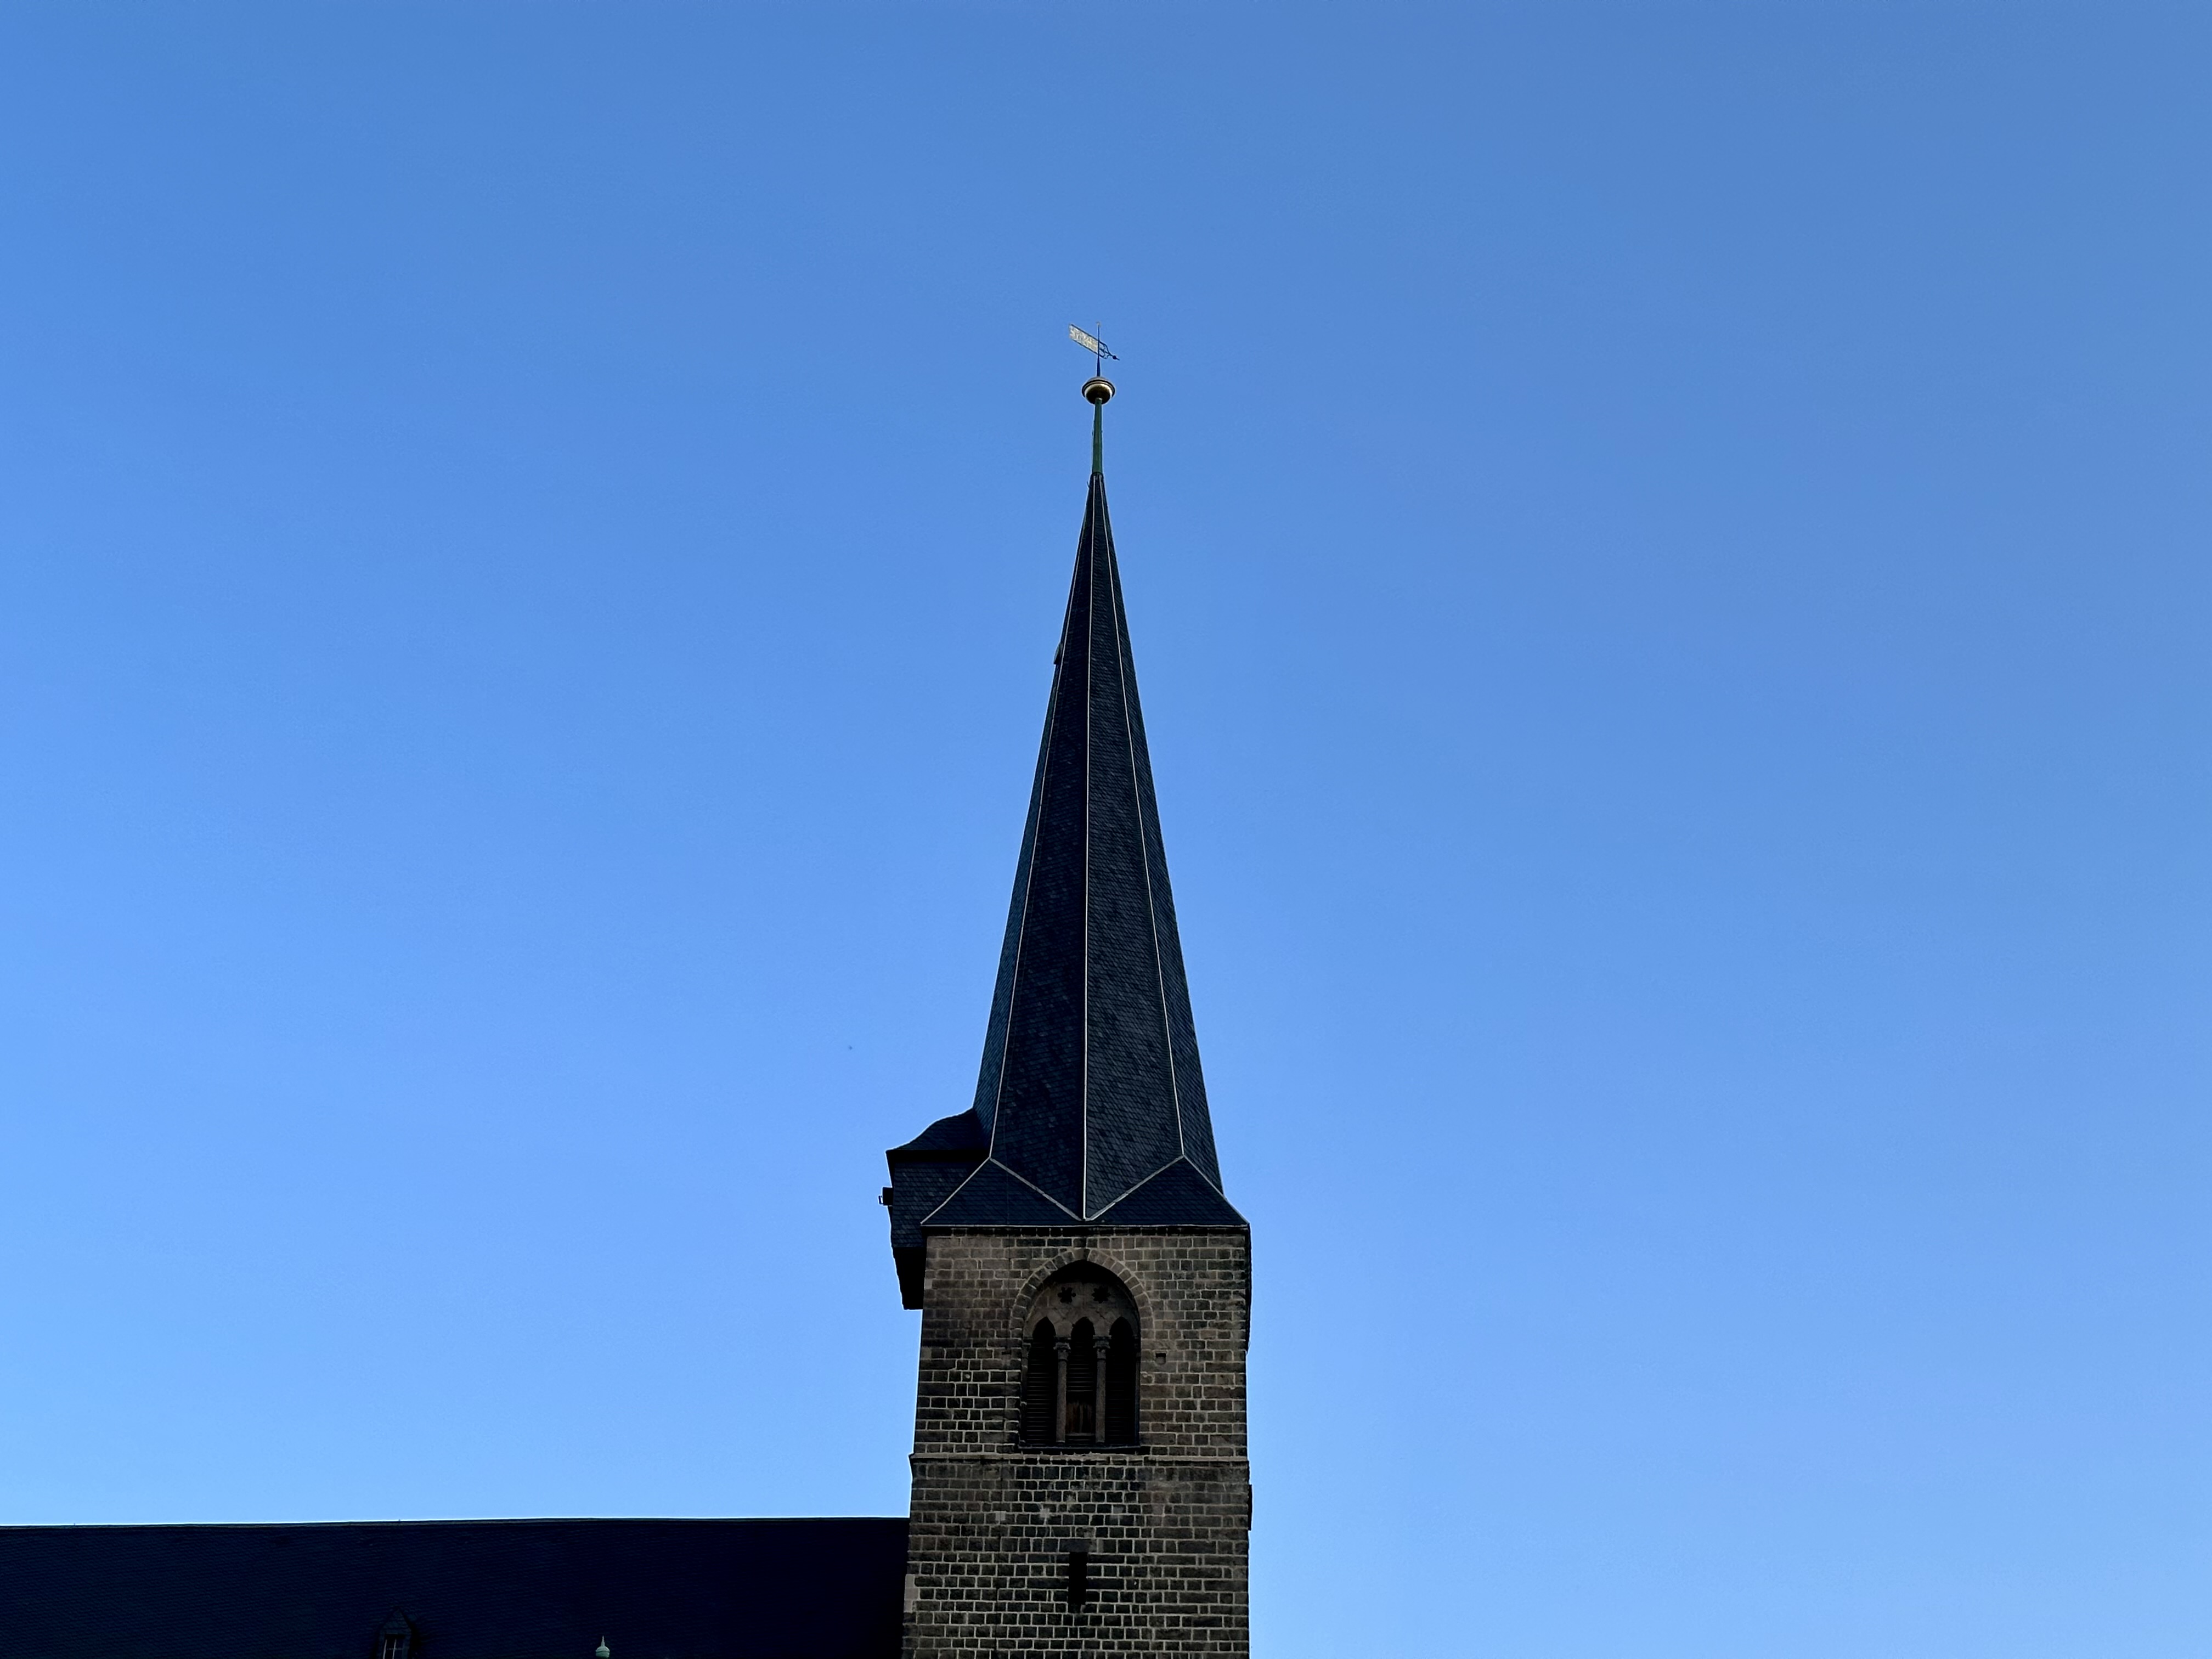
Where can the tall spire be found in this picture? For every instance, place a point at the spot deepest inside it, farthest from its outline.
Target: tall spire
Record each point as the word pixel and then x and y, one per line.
pixel 1091 1106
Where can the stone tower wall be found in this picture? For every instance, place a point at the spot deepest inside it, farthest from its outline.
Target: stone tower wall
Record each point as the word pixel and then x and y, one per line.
pixel 1165 1521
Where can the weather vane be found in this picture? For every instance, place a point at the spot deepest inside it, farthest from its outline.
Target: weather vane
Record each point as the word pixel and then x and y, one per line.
pixel 1094 345
pixel 1095 390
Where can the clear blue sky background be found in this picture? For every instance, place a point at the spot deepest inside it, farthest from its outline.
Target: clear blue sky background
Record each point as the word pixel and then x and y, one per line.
pixel 1667 551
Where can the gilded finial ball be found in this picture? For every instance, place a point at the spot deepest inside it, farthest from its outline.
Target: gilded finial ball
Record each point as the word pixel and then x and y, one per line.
pixel 1097 390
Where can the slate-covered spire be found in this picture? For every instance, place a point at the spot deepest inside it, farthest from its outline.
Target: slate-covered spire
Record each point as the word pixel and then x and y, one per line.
pixel 1091 1106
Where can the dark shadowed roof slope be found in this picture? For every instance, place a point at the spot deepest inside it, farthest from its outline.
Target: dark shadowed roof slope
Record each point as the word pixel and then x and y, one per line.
pixel 1091 1106
pixel 468 1590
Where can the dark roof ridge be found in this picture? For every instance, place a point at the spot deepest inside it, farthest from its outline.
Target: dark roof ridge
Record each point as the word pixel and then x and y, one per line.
pixel 439 1521
pixel 814 1587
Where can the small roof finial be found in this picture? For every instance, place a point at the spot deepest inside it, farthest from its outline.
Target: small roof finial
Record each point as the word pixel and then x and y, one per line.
pixel 602 1651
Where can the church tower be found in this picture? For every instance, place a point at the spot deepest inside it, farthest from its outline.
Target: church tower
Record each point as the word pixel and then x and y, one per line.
pixel 1081 1485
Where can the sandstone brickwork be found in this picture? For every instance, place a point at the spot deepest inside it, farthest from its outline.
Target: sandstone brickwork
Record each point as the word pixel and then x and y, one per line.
pixel 1161 1525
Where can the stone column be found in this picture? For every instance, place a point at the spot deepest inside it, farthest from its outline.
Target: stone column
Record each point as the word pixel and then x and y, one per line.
pixel 1098 1347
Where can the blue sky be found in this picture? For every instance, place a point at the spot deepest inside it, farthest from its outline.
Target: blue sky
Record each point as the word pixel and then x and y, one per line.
pixel 1667 551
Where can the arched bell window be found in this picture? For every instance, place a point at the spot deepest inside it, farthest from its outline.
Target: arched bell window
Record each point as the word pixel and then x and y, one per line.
pixel 396 1639
pixel 1079 1372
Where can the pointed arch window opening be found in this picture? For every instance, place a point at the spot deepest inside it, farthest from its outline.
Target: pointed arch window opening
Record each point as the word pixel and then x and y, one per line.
pixel 1079 1381
pixel 395 1640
